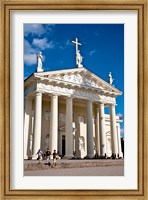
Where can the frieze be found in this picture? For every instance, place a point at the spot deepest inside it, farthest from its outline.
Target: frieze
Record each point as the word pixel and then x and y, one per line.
pixel 77 92
pixel 79 79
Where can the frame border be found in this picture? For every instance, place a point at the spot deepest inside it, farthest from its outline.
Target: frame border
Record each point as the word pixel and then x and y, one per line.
pixel 11 5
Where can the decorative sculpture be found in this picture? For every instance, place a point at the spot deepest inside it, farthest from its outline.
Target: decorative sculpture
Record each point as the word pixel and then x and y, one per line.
pixel 110 78
pixel 79 59
pixel 40 59
pixel 78 55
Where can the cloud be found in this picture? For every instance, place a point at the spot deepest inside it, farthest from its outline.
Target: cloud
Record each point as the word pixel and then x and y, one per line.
pixel 121 116
pixel 30 59
pixel 34 29
pixel 122 132
pixel 42 43
pixel 38 29
pixel 31 50
pixel 28 48
pixel 92 52
pixel 65 44
pixel 30 54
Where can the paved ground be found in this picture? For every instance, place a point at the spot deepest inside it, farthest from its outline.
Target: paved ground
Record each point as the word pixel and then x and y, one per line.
pixel 94 167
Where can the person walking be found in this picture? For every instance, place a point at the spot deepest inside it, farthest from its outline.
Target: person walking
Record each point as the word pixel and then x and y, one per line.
pixel 40 155
pixel 48 153
pixel 54 158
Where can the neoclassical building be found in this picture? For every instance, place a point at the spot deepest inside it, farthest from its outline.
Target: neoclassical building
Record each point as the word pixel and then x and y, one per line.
pixel 65 111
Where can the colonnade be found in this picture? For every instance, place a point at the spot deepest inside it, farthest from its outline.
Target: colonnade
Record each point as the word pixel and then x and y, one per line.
pixel 100 130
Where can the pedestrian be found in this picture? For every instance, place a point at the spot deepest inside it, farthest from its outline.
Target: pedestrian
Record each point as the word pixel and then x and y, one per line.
pixel 54 157
pixel 39 153
pixel 48 153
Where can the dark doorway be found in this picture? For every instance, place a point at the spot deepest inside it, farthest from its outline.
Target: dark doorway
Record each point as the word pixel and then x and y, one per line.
pixel 63 145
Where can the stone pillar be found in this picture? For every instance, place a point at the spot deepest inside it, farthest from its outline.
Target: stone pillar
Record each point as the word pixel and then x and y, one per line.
pixel 28 104
pixel 54 124
pixel 69 128
pixel 98 132
pixel 102 130
pixel 113 131
pixel 90 140
pixel 119 142
pixel 37 124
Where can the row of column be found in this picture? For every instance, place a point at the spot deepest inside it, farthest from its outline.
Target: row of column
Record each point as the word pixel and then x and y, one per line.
pixel 53 125
pixel 100 136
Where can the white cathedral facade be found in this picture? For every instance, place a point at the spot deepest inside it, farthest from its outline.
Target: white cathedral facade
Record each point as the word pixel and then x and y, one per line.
pixel 65 111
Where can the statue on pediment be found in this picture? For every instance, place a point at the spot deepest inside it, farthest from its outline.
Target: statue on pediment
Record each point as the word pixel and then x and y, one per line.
pixel 110 78
pixel 40 59
pixel 78 55
pixel 79 59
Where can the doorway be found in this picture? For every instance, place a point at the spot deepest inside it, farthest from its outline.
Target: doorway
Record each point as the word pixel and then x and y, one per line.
pixel 63 145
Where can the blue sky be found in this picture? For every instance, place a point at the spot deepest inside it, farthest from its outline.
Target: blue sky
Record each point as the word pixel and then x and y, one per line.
pixel 102 48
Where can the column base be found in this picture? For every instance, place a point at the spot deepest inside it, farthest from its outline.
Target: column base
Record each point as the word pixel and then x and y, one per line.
pixel 120 155
pixel 68 156
pixel 115 156
pixel 89 156
pixel 26 157
pixel 34 157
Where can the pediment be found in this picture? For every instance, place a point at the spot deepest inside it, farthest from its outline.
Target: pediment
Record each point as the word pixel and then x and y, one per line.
pixel 78 77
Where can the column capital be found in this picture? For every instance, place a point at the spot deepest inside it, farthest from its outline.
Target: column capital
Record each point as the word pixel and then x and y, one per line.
pixel 89 101
pixel 69 97
pixel 112 104
pixel 101 102
pixel 38 93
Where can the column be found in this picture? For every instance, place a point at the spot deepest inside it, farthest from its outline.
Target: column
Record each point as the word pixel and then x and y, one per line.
pixel 54 124
pixel 37 124
pixel 119 142
pixel 28 104
pixel 113 131
pixel 102 130
pixel 98 132
pixel 69 128
pixel 90 140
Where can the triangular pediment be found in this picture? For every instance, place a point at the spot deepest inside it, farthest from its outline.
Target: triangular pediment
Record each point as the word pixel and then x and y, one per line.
pixel 78 77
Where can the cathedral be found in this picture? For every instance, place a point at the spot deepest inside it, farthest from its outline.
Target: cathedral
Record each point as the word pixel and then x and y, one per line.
pixel 64 110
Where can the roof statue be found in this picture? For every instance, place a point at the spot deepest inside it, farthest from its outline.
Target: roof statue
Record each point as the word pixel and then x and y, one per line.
pixel 78 55
pixel 110 78
pixel 40 59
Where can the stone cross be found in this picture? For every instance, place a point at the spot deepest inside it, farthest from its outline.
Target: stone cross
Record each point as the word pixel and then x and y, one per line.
pixel 76 43
pixel 78 55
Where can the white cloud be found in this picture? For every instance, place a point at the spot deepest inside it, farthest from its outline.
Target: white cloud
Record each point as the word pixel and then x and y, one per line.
pixel 38 29
pixel 65 44
pixel 42 43
pixel 121 116
pixel 122 130
pixel 92 52
pixel 34 29
pixel 28 48
pixel 30 59
pixel 31 50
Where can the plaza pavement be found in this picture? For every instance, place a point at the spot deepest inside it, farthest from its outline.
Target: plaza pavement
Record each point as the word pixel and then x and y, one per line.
pixel 94 167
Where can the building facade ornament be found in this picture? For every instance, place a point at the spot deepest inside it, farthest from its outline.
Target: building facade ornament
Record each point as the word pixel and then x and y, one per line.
pixel 40 65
